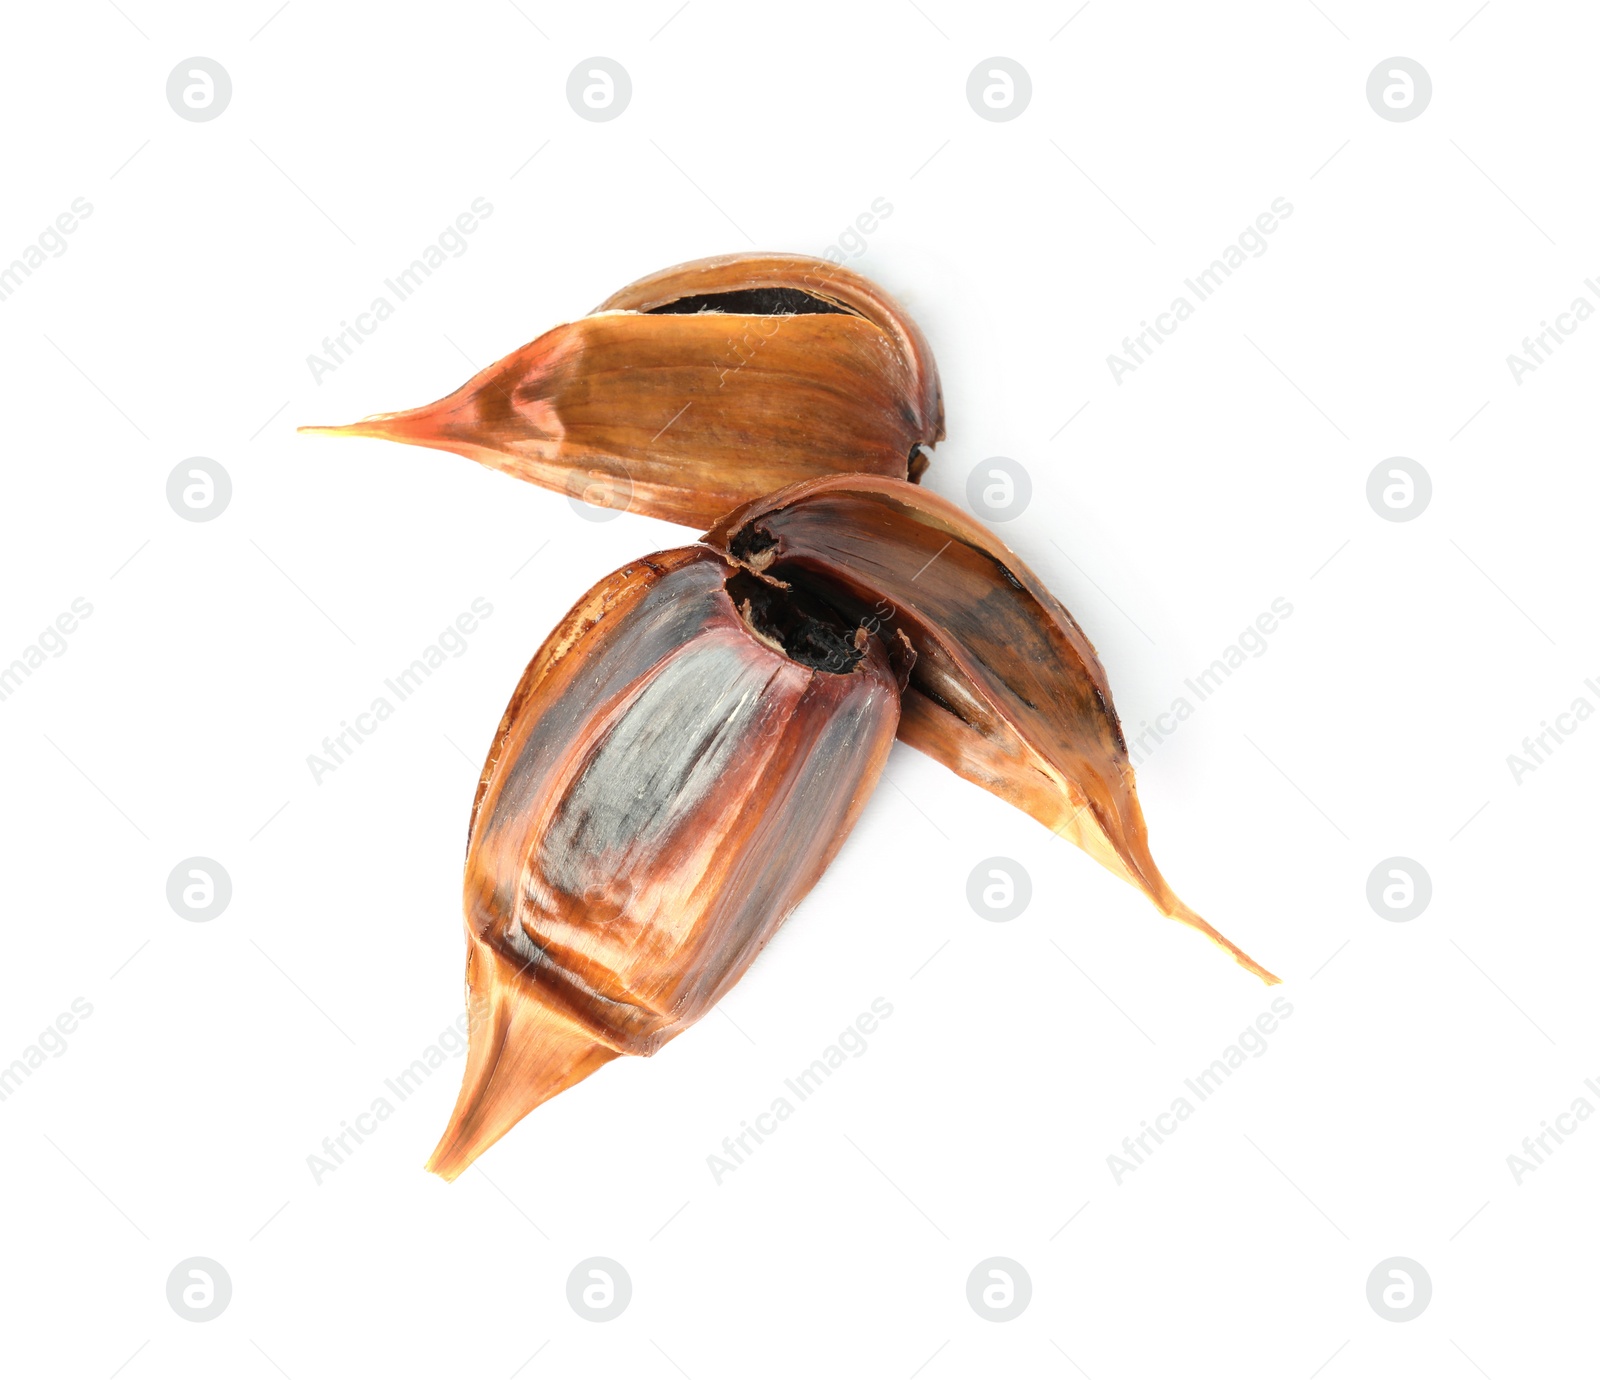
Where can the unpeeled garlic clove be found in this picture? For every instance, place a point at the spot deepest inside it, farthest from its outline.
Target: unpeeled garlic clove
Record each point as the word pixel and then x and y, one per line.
pixel 699 388
pixel 680 762
pixel 1006 690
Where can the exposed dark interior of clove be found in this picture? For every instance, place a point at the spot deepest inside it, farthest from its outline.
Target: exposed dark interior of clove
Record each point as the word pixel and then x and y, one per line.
pixel 807 629
pixel 767 301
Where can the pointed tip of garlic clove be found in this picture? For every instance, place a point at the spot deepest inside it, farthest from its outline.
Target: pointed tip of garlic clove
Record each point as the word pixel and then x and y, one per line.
pixel 1117 838
pixel 1184 915
pixel 414 427
pixel 520 1053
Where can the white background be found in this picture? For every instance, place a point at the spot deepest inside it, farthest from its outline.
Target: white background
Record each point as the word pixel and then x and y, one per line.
pixel 1173 509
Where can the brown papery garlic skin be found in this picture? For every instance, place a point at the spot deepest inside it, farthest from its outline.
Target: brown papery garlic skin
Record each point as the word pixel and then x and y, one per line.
pixel 666 785
pixel 1006 690
pixel 700 388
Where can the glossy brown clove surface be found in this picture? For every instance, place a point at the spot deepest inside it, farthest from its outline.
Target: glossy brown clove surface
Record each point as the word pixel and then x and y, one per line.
pixel 1006 690
pixel 678 765
pixel 697 389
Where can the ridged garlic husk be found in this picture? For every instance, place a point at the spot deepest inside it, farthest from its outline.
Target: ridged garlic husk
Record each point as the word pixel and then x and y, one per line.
pixel 1006 689
pixel 681 760
pixel 700 388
